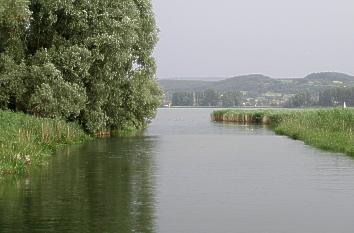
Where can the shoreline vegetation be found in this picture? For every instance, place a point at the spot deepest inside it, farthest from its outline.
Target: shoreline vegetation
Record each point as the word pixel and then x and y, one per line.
pixel 26 141
pixel 85 62
pixel 327 129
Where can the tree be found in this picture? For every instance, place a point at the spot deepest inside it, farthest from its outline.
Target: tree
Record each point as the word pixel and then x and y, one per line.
pixel 231 99
pixel 14 19
pixel 182 99
pixel 86 61
pixel 303 99
pixel 337 96
pixel 211 98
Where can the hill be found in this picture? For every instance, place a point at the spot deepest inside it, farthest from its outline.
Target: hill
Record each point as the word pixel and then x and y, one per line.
pixel 261 86
pixel 183 85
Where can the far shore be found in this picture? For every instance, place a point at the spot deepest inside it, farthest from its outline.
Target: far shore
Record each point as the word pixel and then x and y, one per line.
pixel 330 129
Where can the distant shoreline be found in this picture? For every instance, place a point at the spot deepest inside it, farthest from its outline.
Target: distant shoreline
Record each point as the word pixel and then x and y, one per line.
pixel 247 107
pixel 328 129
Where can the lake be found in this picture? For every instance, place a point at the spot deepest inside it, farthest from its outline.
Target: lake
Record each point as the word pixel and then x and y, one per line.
pixel 186 174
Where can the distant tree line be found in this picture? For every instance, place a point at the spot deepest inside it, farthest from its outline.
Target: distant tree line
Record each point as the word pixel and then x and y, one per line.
pixel 85 61
pixel 303 99
pixel 208 97
pixel 327 98
pixel 337 96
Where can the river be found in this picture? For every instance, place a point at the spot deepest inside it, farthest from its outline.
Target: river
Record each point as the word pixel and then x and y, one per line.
pixel 186 174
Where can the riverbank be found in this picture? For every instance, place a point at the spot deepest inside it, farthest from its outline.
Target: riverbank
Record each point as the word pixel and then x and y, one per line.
pixel 25 141
pixel 327 129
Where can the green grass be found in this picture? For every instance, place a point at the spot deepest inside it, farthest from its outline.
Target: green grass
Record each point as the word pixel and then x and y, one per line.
pixel 25 141
pixel 327 129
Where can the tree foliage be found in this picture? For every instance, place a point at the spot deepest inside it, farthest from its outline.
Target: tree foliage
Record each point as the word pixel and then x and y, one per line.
pixel 207 98
pixel 85 61
pixel 337 96
pixel 331 97
pixel 304 98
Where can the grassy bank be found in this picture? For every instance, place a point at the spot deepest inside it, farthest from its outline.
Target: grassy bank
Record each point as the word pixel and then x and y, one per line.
pixel 25 141
pixel 328 129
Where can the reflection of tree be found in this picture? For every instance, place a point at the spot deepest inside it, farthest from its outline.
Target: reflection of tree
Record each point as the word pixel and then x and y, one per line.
pixel 105 186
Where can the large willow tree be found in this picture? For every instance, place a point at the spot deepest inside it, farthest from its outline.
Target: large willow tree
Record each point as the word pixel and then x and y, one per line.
pixel 84 60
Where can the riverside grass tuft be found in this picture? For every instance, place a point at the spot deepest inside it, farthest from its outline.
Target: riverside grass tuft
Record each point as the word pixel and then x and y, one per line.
pixel 25 141
pixel 327 129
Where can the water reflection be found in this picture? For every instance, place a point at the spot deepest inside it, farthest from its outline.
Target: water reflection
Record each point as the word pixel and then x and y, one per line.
pixel 186 175
pixel 104 186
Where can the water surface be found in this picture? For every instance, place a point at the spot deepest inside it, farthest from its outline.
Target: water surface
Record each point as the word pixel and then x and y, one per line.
pixel 185 174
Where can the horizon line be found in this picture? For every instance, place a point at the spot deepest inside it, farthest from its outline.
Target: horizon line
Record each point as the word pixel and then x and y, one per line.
pixel 216 78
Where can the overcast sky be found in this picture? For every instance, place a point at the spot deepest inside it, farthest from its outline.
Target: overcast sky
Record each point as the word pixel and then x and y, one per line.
pixel 279 38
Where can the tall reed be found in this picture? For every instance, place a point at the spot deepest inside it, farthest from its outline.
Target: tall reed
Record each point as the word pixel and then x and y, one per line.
pixel 328 129
pixel 25 140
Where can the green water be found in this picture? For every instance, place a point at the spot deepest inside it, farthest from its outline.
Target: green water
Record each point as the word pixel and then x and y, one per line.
pixel 186 174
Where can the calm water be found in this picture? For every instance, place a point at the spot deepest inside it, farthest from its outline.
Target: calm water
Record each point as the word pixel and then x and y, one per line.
pixel 186 175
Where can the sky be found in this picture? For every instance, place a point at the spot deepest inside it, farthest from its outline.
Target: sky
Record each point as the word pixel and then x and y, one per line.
pixel 211 39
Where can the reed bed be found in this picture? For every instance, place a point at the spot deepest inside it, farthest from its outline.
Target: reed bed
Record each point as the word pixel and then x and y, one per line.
pixel 25 141
pixel 328 129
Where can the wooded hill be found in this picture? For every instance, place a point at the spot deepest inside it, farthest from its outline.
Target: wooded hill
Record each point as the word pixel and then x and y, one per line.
pixel 257 84
pixel 260 87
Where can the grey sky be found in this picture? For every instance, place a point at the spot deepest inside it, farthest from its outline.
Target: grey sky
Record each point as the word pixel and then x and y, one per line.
pixel 280 38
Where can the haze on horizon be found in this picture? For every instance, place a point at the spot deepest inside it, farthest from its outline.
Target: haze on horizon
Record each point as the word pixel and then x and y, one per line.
pixel 278 38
